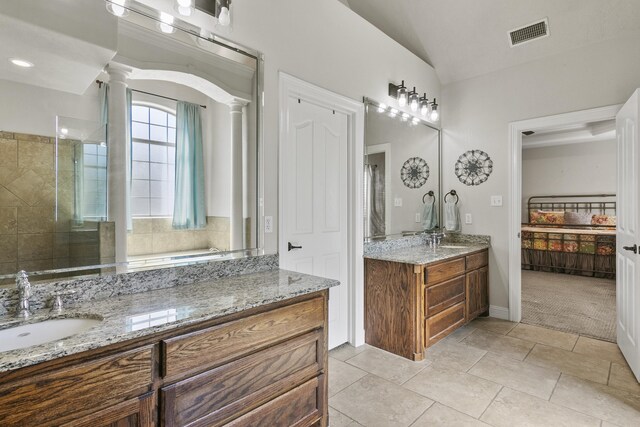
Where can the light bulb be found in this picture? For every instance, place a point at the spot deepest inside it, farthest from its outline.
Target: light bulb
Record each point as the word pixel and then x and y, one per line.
pixel 116 7
pixel 434 116
pixel 424 110
pixel 184 3
pixel 382 108
pixel 224 18
pixel 414 105
pixel 413 100
pixel 402 97
pixel 166 23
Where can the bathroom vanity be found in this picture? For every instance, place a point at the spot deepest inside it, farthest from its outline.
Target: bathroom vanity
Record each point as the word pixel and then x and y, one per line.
pixel 239 351
pixel 415 296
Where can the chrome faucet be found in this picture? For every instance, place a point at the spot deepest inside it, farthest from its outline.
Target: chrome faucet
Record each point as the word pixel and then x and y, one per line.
pixel 434 238
pixel 24 293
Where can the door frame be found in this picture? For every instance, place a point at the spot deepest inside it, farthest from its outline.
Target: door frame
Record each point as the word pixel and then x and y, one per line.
pixel 515 187
pixel 354 110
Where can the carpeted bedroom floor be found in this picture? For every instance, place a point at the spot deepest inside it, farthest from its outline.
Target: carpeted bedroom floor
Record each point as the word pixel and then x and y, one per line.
pixel 581 305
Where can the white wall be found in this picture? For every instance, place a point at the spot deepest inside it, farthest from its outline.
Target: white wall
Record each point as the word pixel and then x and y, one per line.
pixel 325 43
pixel 477 112
pixel 586 168
pixel 33 109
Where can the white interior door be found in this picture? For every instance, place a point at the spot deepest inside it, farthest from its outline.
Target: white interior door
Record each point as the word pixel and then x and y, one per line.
pixel 628 235
pixel 314 209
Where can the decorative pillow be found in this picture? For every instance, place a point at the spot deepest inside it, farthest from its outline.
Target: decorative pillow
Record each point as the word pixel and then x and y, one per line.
pixel 578 218
pixel 547 217
pixel 603 220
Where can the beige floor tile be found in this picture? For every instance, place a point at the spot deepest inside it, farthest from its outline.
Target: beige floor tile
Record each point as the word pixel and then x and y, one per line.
pixel 373 402
pixel 546 336
pixel 338 419
pixel 459 334
pixel 608 424
pixel 600 349
pixel 621 377
pixel 509 346
pixel 458 390
pixel 492 324
pixel 517 375
pixel 342 375
pixel 386 365
pixel 451 355
pixel 347 351
pixel 440 415
pixel 575 364
pixel 513 408
pixel 607 403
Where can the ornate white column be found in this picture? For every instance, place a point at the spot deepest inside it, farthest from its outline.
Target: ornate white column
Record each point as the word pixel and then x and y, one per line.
pixel 118 156
pixel 236 213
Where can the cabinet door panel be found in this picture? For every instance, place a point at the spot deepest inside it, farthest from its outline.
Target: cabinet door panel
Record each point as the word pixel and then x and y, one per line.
pixel 52 398
pixel 199 351
pixel 443 295
pixel 221 394
pixel 132 413
pixel 443 323
pixel 296 408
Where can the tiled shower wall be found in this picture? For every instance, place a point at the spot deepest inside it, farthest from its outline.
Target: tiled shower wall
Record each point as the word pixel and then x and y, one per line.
pixel 30 236
pixel 152 236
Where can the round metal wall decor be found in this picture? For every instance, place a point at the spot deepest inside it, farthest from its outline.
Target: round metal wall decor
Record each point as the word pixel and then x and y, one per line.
pixel 414 172
pixel 474 167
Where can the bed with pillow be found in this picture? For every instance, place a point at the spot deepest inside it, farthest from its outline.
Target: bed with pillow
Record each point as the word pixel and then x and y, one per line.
pixel 571 234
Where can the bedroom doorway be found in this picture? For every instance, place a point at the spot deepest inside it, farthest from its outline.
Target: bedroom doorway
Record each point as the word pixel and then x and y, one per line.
pixel 562 262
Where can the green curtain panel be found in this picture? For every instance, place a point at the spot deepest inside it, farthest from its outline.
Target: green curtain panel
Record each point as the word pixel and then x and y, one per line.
pixel 189 206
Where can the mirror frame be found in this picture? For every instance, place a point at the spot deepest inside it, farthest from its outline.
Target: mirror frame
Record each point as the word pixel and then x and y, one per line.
pixel 368 102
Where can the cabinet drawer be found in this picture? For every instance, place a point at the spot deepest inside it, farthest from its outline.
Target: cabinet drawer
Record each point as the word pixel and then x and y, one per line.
pixel 444 271
pixel 443 295
pixel 477 260
pixel 51 398
pixel 296 408
pixel 202 350
pixel 443 323
pixel 218 395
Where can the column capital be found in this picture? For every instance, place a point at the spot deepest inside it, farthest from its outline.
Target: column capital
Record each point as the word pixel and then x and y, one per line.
pixel 236 106
pixel 118 73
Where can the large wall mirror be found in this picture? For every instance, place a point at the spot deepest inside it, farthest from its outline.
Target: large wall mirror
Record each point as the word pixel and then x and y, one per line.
pixel 127 140
pixel 402 169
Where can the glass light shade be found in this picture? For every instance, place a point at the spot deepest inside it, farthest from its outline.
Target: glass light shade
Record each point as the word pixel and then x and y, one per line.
pixel 402 96
pixel 424 109
pixel 225 17
pixel 184 3
pixel 116 7
pixel 435 115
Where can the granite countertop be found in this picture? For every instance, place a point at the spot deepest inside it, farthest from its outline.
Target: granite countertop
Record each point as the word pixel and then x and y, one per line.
pixel 137 315
pixel 421 255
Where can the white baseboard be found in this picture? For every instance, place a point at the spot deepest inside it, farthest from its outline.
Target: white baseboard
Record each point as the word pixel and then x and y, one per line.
pixel 499 312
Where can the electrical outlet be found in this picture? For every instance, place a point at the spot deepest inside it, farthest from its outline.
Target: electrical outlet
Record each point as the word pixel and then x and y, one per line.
pixel 496 200
pixel 268 224
pixel 468 219
pixel 418 217
pixel 397 202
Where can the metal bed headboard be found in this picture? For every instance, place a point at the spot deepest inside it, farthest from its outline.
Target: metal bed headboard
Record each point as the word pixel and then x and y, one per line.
pixel 603 204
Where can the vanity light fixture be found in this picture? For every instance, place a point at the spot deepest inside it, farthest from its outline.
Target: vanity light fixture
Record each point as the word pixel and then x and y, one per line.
pixel 21 62
pixel 224 14
pixel 117 8
pixel 413 99
pixel 166 23
pixel 434 115
pixel 399 92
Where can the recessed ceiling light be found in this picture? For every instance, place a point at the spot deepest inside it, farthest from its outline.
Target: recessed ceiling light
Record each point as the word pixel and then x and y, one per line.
pixel 21 63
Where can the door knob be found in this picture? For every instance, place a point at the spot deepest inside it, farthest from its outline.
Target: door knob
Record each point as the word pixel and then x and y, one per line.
pixel 292 247
pixel 633 248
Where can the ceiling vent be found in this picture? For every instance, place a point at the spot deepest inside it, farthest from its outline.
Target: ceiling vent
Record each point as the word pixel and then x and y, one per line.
pixel 529 32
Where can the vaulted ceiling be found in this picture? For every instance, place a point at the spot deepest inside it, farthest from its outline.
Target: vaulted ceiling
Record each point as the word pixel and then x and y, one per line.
pixel 467 38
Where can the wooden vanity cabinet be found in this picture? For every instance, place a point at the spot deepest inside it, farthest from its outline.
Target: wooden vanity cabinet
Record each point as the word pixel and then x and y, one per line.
pixel 409 307
pixel 267 363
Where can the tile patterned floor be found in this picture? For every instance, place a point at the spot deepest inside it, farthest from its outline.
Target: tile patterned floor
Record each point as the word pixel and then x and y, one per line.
pixel 489 373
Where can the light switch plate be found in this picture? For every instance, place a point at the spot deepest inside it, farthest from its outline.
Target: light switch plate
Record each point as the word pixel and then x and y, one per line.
pixel 418 217
pixel 268 224
pixel 496 200
pixel 468 219
pixel 397 202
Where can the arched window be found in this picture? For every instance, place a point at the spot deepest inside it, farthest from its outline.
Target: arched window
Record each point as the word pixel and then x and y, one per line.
pixel 153 154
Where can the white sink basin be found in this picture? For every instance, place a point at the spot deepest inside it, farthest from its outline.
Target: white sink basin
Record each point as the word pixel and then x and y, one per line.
pixel 42 332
